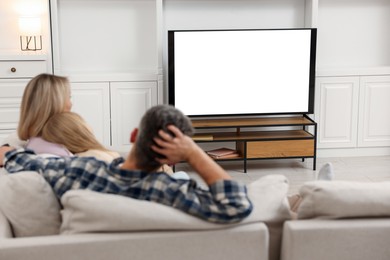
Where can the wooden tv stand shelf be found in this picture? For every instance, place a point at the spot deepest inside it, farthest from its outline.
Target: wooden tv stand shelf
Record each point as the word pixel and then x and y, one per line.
pixel 291 139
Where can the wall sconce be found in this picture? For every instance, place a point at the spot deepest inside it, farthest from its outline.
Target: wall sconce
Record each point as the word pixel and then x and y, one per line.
pixel 30 33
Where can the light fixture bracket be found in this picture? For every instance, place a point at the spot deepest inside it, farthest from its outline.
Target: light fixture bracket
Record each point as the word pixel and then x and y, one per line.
pixel 31 43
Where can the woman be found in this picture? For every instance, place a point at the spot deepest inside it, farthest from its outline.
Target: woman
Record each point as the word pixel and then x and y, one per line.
pixel 45 95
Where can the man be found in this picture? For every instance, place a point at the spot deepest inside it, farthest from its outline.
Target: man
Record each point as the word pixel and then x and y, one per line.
pixel 163 137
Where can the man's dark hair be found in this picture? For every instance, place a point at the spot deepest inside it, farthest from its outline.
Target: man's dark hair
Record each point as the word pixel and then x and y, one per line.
pixel 155 119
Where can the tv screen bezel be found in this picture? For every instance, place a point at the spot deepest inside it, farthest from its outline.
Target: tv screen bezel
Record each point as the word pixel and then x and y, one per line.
pixel 312 70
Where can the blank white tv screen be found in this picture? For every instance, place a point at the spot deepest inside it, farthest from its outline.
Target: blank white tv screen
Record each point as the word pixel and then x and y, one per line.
pixel 241 72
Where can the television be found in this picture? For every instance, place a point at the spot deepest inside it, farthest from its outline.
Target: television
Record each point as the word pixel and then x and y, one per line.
pixel 215 73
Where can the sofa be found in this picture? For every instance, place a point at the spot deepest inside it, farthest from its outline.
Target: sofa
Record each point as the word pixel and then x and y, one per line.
pixel 336 220
pixel 91 225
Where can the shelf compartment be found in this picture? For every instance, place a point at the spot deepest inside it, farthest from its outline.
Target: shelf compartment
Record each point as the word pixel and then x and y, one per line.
pixel 251 122
pixel 252 136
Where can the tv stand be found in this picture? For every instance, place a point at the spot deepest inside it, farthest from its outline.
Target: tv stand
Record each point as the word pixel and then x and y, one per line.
pixel 289 137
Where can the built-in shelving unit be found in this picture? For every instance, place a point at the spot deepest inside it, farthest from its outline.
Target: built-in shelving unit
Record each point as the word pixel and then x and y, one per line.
pixel 353 78
pixel 116 51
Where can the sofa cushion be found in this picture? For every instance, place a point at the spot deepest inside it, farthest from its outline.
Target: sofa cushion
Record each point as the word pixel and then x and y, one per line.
pixel 3 171
pixel 29 204
pixel 14 141
pixel 342 199
pixel 269 197
pixel 341 239
pixel 87 211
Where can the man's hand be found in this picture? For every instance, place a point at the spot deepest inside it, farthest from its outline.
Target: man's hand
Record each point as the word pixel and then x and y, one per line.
pixel 175 148
pixel 181 147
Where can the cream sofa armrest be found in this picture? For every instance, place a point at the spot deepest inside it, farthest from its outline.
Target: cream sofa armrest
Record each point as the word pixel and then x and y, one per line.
pixel 5 227
pixel 357 239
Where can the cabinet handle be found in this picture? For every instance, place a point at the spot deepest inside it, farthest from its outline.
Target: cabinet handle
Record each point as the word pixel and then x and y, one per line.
pixel 13 69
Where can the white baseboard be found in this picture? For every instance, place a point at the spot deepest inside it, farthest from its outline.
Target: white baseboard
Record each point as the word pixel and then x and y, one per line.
pixel 353 152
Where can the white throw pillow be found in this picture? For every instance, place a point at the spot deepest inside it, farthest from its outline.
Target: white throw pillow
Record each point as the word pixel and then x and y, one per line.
pixel 87 211
pixel 29 204
pixel 342 199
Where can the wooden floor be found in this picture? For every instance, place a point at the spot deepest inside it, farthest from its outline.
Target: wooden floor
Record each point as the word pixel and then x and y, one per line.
pixel 364 169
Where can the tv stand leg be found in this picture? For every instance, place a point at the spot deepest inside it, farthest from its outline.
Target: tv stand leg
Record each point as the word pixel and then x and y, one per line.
pixel 314 163
pixel 245 154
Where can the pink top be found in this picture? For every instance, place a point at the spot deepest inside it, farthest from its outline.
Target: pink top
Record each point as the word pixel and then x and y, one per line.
pixel 40 146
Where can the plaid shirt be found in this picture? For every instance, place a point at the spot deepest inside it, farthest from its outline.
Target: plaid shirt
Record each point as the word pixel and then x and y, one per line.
pixel 226 201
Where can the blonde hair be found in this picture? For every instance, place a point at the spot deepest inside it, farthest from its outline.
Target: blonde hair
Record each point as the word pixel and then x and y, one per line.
pixel 44 96
pixel 70 130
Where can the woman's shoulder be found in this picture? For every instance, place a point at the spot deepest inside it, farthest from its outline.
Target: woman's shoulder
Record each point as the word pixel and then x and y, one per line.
pixel 41 146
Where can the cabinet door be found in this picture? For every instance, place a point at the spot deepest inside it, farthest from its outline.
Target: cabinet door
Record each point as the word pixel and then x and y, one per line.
pixel 337 111
pixel 92 102
pixel 11 92
pixel 129 101
pixel 374 120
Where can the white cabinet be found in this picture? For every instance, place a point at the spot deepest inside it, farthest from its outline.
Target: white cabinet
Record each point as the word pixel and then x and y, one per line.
pixel 15 73
pixel 11 91
pixel 337 111
pixel 92 102
pixel 22 68
pixel 353 111
pixel 113 109
pixel 129 101
pixel 374 112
